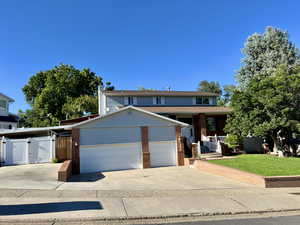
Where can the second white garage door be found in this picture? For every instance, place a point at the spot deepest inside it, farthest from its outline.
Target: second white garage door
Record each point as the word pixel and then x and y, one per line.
pixel 162 153
pixel 106 157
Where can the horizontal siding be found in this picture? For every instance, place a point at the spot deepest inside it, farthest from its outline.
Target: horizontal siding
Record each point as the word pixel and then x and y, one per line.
pixel 145 100
pixel 162 134
pixel 178 101
pixel 109 136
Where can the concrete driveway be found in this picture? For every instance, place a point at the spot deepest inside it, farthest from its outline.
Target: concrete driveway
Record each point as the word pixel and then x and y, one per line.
pixel 31 176
pixel 164 178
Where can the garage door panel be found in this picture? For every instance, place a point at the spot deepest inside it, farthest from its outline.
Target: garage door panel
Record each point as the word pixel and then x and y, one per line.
pixel 109 135
pixel 162 153
pixel 110 157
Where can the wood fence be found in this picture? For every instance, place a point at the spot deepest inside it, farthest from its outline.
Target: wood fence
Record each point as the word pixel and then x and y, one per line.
pixel 63 148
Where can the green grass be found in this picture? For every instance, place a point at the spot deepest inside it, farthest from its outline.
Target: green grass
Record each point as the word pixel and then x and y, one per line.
pixel 265 165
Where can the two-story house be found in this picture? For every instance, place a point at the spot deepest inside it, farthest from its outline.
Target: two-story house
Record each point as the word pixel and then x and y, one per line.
pixel 7 120
pixel 199 109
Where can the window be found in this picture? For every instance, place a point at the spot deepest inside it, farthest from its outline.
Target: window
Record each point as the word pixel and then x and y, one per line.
pixel 205 101
pixel 211 124
pixel 199 100
pixel 130 100
pixel 158 100
pixel 202 100
pixel 3 104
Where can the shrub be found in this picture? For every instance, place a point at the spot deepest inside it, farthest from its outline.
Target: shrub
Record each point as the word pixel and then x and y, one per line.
pixel 233 141
pixel 55 160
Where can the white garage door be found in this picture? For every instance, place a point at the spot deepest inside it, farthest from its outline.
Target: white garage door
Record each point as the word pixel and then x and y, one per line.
pixel 24 151
pixel 107 157
pixel 163 153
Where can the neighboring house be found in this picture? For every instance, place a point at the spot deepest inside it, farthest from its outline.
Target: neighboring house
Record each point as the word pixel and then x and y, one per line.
pixel 7 120
pixel 199 109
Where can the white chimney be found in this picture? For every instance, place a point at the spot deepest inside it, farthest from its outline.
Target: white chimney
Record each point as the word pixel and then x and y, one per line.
pixel 101 101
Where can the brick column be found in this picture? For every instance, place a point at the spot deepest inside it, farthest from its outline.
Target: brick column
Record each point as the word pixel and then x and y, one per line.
pixel 180 146
pixel 145 147
pixel 75 151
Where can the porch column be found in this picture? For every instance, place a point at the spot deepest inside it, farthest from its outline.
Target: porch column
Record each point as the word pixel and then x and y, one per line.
pixel 202 120
pixel 180 146
pixel 199 123
pixel 75 150
pixel 145 147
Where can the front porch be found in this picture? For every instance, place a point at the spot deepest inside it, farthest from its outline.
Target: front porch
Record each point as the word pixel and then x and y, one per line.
pixel 204 128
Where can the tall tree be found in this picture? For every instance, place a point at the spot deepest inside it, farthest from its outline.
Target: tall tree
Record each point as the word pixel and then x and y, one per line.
pixel 264 53
pixel 52 94
pixel 269 106
pixel 212 86
pixel 227 91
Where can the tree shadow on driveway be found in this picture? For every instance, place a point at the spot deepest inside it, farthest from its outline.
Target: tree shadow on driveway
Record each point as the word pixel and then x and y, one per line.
pixel 22 209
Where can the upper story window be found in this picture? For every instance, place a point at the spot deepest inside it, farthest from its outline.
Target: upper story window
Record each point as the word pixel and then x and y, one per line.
pixel 130 100
pixel 3 104
pixel 202 100
pixel 158 100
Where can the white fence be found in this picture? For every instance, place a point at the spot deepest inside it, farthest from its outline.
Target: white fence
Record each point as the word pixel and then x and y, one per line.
pixel 213 143
pixel 25 151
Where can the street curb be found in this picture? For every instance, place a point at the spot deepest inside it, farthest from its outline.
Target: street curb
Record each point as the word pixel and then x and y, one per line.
pixel 129 218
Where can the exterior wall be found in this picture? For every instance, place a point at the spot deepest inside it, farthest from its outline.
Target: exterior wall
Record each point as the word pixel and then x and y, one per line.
pixel 145 100
pixel 179 101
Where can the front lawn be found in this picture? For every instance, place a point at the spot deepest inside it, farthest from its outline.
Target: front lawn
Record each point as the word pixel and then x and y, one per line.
pixel 265 165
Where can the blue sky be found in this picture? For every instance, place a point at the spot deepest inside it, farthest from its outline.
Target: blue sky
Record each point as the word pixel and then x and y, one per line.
pixel 150 43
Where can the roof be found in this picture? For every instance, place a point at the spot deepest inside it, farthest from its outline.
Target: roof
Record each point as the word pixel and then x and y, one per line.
pixel 189 109
pixel 34 130
pixel 69 127
pixel 161 93
pixel 8 98
pixel 136 109
pixel 77 120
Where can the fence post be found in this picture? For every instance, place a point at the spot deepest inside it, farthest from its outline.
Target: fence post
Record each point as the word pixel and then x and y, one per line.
pixel 2 151
pixel 52 146
pixel 28 141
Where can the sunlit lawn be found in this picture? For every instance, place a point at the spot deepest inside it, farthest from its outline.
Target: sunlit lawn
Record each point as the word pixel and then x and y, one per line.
pixel 266 165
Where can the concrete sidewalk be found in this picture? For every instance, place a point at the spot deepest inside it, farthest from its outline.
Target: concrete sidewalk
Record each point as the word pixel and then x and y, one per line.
pixel 67 205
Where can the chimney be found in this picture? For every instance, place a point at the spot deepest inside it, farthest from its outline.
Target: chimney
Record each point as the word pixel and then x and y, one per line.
pixel 101 101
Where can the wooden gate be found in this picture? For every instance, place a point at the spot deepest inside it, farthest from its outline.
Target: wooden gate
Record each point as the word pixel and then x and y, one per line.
pixel 63 148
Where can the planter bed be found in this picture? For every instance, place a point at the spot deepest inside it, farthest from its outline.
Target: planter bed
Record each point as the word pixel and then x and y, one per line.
pixel 225 168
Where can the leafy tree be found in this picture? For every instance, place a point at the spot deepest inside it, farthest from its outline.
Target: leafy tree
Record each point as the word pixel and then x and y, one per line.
pixel 54 93
pixel 77 107
pixel 264 53
pixel 213 87
pixel 269 106
pixel 228 91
